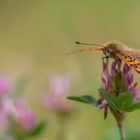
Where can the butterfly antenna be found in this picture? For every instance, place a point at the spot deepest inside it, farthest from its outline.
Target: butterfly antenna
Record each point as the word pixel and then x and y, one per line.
pixel 91 44
pixel 98 47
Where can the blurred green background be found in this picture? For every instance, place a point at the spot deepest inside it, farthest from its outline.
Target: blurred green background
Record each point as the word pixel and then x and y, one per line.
pixel 34 32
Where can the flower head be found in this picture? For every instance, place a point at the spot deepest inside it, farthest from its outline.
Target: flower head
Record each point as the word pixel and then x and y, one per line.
pixel 16 117
pixel 116 81
pixel 20 113
pixel 4 85
pixel 55 97
pixel 23 115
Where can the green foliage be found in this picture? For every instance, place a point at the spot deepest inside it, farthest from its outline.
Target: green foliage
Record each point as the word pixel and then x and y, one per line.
pixel 18 133
pixel 134 107
pixel 111 100
pixel 117 84
pixel 37 130
pixel 122 103
pixel 84 99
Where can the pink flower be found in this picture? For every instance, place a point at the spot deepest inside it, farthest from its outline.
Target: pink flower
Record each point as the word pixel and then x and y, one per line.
pixel 23 115
pixel 5 110
pixel 19 111
pixel 3 120
pixel 116 81
pixel 6 105
pixel 55 97
pixel 4 85
pixel 126 77
pixel 59 84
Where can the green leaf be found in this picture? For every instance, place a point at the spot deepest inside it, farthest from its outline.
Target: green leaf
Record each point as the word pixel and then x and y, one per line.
pixel 84 99
pixel 13 130
pixel 37 130
pixel 124 101
pixel 137 100
pixel 134 107
pixel 117 83
pixel 111 100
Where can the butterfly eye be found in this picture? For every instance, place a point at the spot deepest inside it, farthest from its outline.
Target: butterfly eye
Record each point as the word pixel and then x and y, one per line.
pixel 109 50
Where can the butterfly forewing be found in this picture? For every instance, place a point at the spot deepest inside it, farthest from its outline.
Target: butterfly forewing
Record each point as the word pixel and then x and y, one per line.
pixel 131 58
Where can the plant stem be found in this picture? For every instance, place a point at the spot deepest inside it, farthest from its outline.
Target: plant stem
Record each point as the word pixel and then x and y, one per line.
pixel 119 117
pixel 121 131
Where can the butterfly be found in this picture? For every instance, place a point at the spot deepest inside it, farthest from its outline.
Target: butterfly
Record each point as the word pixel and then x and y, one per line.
pixel 113 49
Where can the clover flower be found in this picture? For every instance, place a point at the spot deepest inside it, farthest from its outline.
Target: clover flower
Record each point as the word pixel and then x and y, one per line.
pixel 17 120
pixel 23 115
pixel 55 98
pixel 20 113
pixel 118 93
pixel 116 81
pixel 4 85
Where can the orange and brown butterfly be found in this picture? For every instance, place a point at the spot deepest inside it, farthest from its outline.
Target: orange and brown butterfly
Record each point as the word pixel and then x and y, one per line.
pixel 115 50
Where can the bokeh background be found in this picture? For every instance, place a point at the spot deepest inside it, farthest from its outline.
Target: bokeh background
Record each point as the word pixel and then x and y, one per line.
pixel 32 35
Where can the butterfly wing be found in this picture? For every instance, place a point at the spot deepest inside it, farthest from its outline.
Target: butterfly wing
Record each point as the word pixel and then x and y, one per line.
pixel 131 58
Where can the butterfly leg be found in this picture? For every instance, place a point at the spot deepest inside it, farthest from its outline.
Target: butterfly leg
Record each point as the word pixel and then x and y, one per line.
pixel 118 61
pixel 105 57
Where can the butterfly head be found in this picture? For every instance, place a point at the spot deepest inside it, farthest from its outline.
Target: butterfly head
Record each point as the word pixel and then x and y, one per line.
pixel 110 48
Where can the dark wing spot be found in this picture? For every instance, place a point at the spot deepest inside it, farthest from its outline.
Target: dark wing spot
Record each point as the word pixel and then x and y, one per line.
pixel 129 58
pixel 133 65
